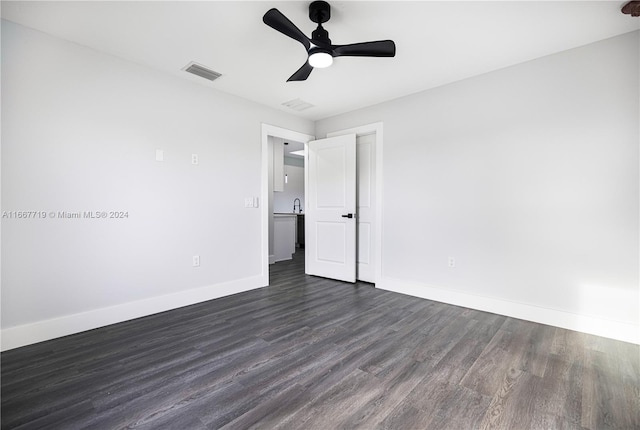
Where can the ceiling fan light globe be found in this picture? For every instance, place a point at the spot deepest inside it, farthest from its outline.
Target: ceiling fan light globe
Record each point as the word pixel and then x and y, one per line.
pixel 320 60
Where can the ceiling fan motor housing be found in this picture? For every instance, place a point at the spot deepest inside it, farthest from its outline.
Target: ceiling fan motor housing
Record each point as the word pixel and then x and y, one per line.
pixel 322 36
pixel 319 11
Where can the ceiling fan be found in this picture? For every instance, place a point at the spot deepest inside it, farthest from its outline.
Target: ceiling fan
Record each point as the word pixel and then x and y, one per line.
pixel 320 51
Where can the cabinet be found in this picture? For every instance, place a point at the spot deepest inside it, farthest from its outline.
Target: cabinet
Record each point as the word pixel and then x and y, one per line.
pixel 284 236
pixel 278 166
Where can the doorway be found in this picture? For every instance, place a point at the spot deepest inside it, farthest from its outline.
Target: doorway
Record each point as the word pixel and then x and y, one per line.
pixel 369 192
pixel 287 198
pixel 271 134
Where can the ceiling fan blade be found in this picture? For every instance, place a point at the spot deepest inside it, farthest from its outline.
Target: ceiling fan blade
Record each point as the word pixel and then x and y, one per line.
pixel 276 20
pixel 302 73
pixel 380 48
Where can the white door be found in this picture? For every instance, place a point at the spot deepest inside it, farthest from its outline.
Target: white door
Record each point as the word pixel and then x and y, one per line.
pixel 330 218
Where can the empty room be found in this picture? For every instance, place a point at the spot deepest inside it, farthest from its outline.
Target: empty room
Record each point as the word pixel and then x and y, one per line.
pixel 320 215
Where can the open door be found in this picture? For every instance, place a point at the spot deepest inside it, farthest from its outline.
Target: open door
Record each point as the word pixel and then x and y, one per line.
pixel 331 208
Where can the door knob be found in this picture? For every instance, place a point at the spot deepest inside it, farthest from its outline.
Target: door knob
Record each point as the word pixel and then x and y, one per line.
pixel 347 216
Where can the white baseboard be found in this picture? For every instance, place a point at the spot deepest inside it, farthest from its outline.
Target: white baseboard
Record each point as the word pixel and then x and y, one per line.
pixel 284 259
pixel 14 337
pixel 618 330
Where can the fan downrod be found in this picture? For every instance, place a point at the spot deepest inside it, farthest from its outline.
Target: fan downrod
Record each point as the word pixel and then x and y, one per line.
pixel 319 11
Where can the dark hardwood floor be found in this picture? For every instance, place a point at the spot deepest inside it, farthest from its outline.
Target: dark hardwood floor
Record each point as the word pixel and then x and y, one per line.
pixel 311 353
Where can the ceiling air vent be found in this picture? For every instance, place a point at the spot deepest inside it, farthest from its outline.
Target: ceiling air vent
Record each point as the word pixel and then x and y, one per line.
pixel 200 70
pixel 297 104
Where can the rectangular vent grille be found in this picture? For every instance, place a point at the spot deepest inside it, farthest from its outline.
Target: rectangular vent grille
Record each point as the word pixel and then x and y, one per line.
pixel 202 71
pixel 297 104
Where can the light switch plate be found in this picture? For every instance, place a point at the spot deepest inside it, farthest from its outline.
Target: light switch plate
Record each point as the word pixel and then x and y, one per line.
pixel 256 202
pixel 159 155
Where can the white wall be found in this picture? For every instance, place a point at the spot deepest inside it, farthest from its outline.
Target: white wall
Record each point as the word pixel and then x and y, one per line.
pixel 529 178
pixel 80 131
pixel 293 188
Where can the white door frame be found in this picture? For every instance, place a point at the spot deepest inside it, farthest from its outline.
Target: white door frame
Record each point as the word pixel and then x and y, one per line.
pixel 271 130
pixel 361 131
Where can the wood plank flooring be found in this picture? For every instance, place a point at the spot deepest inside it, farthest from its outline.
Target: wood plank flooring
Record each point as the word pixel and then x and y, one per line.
pixel 312 353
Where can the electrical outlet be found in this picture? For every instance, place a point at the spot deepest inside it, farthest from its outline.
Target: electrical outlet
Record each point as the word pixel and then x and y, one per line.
pixel 196 261
pixel 452 262
pixel 194 159
pixel 248 202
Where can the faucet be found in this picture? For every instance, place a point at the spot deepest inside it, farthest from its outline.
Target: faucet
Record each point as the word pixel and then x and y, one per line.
pixel 299 205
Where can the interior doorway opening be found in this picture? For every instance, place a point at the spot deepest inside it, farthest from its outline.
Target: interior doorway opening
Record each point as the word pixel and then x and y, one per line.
pixel 286 198
pixel 369 245
pixel 282 180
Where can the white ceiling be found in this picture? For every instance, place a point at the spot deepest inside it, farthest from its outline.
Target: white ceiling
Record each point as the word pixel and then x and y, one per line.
pixel 437 42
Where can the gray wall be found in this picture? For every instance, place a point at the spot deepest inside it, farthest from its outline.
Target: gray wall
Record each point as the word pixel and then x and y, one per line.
pixel 80 131
pixel 528 177
pixel 294 188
